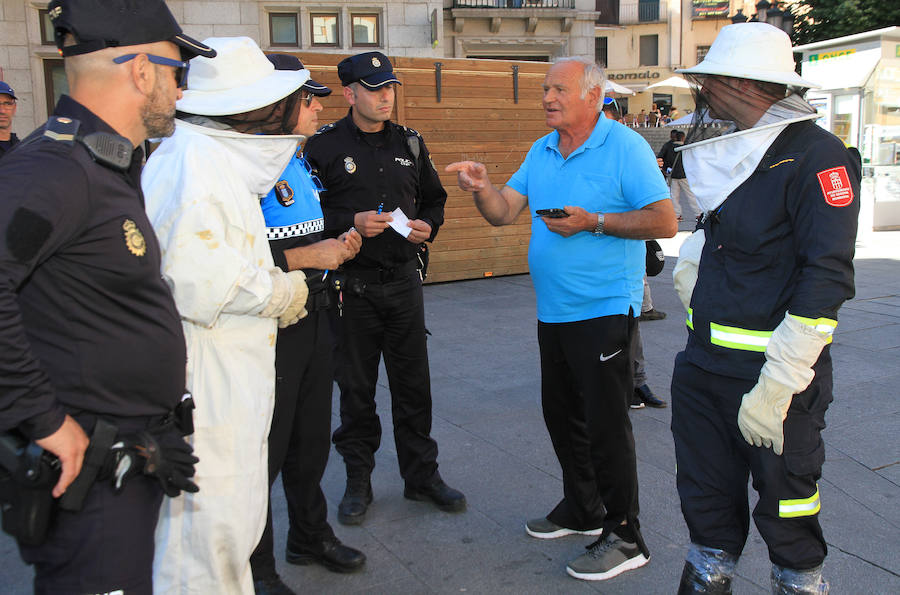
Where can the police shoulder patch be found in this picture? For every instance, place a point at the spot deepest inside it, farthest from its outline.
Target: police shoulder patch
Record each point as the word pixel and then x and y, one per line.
pixel 284 193
pixel 835 185
pixel 61 129
pixel 410 131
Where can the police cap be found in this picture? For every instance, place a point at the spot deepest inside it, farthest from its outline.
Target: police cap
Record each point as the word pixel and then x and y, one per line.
pixel 5 89
pixel 99 24
pixel 372 69
pixel 289 62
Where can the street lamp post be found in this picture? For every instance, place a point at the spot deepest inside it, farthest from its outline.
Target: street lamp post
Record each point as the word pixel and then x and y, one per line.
pixel 768 13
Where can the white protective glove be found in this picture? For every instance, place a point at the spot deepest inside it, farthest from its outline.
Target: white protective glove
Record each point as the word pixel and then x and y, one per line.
pixel 793 349
pixel 289 294
pixel 685 273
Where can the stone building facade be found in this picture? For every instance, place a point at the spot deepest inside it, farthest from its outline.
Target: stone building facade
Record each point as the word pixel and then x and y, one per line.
pixel 640 41
pixel 30 63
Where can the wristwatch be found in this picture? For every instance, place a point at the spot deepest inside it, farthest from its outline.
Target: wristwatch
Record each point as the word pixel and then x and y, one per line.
pixel 598 230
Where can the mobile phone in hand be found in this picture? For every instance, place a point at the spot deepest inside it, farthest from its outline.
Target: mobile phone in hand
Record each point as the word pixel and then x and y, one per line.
pixel 551 213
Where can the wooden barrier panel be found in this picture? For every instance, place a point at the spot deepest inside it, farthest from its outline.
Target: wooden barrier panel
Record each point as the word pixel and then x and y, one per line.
pixel 477 118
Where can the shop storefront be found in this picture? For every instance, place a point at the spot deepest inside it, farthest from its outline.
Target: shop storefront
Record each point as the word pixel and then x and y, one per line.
pixel 859 101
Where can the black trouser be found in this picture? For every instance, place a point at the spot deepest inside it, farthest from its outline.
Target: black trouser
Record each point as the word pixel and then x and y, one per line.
pixel 586 385
pixel 714 462
pixel 299 437
pixel 388 319
pixel 108 545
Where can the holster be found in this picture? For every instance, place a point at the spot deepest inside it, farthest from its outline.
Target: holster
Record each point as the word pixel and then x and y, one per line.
pixel 27 476
pixel 94 457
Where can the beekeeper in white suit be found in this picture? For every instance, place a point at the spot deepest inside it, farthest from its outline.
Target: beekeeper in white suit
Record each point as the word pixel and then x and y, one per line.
pixel 202 188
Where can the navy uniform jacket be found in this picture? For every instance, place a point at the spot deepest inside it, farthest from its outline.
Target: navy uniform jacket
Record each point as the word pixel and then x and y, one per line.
pixel 7 146
pixel 362 170
pixel 782 241
pixel 87 323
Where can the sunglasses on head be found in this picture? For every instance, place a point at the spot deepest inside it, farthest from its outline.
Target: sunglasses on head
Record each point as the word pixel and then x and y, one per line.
pixel 181 68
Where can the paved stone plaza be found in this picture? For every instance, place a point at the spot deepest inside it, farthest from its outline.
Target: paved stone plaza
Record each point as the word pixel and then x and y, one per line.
pixel 495 448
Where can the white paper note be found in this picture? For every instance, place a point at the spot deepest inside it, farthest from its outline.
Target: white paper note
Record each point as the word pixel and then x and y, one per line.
pixel 400 222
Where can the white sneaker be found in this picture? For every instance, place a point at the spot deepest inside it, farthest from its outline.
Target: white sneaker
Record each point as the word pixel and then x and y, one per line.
pixel 607 558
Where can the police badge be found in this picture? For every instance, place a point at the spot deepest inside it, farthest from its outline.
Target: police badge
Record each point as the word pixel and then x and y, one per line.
pixel 134 239
pixel 284 193
pixel 376 62
pixel 349 165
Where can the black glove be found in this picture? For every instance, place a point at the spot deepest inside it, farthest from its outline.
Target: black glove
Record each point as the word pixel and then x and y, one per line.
pixel 161 453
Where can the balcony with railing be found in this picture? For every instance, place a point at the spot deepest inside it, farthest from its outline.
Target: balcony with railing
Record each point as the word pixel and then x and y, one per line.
pixel 631 12
pixel 513 3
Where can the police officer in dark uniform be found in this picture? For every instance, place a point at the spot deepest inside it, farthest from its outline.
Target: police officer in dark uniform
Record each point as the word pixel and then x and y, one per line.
pixel 8 99
pixel 91 341
pixel 763 279
pixel 301 423
pixel 370 167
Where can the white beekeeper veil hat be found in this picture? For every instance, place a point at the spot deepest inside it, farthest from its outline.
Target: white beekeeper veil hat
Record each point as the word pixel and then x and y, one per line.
pixel 240 79
pixel 756 51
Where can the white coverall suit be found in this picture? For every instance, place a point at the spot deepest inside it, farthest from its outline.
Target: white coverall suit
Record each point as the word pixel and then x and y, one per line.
pixel 202 188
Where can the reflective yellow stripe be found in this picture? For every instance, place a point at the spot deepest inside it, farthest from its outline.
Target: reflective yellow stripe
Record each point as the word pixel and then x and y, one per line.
pixel 690 319
pixel 789 509
pixel 825 326
pixel 738 338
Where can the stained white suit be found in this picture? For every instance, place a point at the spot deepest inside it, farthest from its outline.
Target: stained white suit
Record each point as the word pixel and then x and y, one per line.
pixel 202 188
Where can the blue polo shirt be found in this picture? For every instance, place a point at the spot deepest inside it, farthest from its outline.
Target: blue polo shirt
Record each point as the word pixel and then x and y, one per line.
pixel 586 276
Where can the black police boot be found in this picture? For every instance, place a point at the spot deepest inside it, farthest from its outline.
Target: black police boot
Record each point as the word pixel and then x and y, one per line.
pixel 647 397
pixel 356 500
pixel 439 493
pixel 331 553
pixel 271 586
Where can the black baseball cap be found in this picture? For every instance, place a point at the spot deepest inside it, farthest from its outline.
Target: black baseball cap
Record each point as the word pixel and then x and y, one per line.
pixel 288 62
pixel 99 24
pixel 372 69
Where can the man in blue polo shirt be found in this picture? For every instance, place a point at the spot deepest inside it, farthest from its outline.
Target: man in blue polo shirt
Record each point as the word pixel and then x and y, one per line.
pixel 587 263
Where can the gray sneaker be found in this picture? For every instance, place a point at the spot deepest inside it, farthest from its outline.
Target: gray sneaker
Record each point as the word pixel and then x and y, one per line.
pixel 607 558
pixel 545 529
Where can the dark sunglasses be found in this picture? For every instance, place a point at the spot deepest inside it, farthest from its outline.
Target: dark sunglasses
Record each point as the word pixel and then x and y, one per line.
pixel 307 98
pixel 181 68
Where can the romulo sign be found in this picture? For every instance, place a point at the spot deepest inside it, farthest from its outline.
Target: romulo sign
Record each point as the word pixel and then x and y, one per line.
pixel 625 76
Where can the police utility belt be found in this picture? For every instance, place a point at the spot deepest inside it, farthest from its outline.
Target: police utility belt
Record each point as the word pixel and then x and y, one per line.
pixel 28 473
pixel 355 280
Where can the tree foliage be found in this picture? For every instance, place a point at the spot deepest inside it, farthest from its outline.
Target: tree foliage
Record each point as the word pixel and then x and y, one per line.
pixel 817 20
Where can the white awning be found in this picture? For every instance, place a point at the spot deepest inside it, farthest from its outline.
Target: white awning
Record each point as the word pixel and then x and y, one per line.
pixel 842 72
pixel 673 81
pixel 612 87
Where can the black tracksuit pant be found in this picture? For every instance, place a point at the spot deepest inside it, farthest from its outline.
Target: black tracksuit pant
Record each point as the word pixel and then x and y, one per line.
pixel 586 386
pixel 389 320
pixel 299 438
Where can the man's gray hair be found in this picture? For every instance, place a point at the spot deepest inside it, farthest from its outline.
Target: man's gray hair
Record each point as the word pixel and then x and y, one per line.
pixel 592 76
